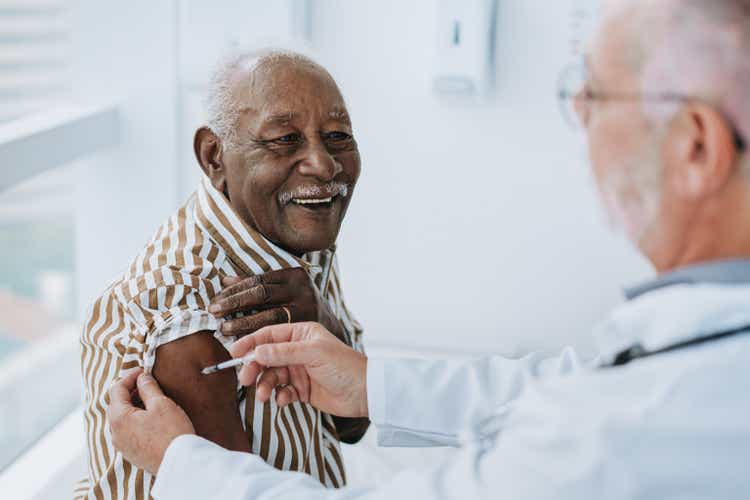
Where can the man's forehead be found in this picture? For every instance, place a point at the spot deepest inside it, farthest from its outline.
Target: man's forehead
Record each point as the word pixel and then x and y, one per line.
pixel 268 116
pixel 284 92
pixel 285 117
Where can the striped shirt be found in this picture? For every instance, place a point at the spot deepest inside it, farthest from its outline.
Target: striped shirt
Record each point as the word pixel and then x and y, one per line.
pixel 164 296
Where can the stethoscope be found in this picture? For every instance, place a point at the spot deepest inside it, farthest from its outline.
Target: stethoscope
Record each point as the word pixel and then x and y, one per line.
pixel 638 352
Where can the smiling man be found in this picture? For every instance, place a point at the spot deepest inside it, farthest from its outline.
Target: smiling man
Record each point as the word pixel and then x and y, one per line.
pixel 254 246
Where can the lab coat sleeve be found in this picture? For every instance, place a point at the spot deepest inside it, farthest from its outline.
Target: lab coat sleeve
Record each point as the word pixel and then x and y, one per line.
pixel 195 468
pixel 549 451
pixel 417 403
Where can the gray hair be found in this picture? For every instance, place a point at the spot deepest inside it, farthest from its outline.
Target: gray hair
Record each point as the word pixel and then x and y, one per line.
pixel 701 49
pixel 222 106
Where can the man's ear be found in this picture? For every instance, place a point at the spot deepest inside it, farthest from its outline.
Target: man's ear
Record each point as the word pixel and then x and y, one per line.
pixel 208 151
pixel 701 154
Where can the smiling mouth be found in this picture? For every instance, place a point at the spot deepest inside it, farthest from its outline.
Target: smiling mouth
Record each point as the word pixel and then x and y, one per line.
pixel 314 197
pixel 314 203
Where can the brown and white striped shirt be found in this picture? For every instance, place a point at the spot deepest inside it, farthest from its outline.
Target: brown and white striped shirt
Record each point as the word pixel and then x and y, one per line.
pixel 164 296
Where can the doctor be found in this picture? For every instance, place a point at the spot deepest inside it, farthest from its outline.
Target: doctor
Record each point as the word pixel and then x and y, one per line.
pixel 663 412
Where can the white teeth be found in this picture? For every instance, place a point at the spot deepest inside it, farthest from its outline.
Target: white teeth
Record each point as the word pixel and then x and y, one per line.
pixel 311 201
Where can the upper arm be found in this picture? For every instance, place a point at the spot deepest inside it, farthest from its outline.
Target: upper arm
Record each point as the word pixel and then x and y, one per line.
pixel 209 400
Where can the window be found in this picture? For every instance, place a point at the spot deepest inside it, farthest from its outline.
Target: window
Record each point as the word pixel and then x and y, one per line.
pixel 39 378
pixel 33 55
pixel 38 337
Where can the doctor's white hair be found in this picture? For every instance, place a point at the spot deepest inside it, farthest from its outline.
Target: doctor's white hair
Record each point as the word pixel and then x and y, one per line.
pixel 222 105
pixel 698 48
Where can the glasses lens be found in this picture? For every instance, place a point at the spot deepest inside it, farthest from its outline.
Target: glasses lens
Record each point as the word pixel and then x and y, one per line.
pixel 570 87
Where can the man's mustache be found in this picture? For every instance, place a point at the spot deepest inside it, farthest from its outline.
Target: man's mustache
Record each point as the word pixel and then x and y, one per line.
pixel 329 190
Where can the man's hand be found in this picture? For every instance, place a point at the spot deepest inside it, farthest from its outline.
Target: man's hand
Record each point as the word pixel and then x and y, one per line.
pixel 307 363
pixel 143 435
pixel 272 294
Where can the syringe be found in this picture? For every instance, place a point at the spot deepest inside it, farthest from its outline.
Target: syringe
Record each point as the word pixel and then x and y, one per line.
pixel 247 358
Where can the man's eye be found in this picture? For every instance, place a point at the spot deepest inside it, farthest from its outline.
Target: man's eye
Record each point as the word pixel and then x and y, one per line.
pixel 288 139
pixel 337 136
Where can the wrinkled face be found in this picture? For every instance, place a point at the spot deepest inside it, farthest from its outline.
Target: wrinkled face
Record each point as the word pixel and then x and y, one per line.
pixel 623 146
pixel 293 170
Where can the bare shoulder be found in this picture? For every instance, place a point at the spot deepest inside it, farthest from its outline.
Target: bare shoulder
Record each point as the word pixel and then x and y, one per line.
pixel 188 355
pixel 209 400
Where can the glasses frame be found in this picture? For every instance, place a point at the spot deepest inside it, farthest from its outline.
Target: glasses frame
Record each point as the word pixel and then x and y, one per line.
pixel 565 96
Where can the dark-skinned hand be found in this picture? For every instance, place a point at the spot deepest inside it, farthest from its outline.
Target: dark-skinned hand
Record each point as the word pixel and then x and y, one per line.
pixel 264 297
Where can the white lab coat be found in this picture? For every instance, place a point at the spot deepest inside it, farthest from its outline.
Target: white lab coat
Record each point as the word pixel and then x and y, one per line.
pixel 671 426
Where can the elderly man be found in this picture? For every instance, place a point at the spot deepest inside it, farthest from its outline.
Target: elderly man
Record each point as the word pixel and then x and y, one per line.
pixel 662 413
pixel 254 246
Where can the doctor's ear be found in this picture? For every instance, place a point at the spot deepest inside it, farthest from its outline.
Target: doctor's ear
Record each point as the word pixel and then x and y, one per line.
pixel 703 155
pixel 208 152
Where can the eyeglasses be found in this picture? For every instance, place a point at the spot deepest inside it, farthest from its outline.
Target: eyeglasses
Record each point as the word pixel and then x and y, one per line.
pixel 575 99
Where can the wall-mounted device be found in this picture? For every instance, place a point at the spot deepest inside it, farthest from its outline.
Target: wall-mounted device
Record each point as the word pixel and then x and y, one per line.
pixel 465 46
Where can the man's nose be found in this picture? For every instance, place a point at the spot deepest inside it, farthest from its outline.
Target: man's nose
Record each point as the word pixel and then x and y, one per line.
pixel 318 162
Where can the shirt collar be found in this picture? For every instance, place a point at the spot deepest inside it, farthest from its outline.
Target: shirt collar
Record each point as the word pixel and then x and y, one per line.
pixel 248 250
pixel 684 305
pixel 728 272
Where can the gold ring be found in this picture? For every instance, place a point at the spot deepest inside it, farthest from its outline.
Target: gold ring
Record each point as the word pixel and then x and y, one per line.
pixel 288 314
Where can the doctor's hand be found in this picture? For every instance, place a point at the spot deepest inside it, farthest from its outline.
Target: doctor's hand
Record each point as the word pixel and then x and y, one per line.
pixel 143 434
pixel 305 362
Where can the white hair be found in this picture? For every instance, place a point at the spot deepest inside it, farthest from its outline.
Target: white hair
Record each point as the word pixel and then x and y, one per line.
pixel 222 107
pixel 690 48
pixel 701 49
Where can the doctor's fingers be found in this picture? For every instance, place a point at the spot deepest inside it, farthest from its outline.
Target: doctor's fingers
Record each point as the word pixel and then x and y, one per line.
pixel 286 395
pixel 120 401
pixel 301 382
pixel 293 353
pixel 249 373
pixel 269 380
pixel 291 384
pixel 150 392
pixel 284 332
pixel 267 335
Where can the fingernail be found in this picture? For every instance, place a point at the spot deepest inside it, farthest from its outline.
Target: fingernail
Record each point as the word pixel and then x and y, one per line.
pixel 214 308
pixel 226 327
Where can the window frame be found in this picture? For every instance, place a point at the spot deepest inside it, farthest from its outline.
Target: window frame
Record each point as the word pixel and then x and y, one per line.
pixel 31 145
pixel 42 141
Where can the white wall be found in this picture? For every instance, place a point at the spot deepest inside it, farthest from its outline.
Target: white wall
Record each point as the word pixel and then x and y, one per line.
pixel 475 225
pixel 125 53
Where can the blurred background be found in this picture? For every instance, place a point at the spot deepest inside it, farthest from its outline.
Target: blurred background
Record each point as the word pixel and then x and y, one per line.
pixel 475 226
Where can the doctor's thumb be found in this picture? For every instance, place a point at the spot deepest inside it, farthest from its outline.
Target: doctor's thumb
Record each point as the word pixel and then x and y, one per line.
pixel 149 390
